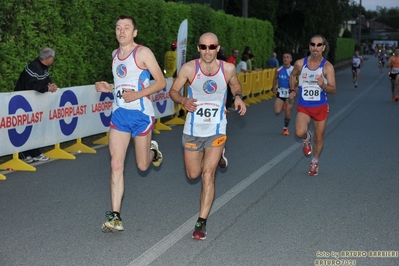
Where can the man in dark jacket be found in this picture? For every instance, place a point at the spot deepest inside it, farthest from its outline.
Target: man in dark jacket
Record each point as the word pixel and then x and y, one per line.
pixel 36 77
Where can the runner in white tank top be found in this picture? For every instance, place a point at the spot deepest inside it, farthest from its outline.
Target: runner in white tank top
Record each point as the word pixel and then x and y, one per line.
pixel 133 114
pixel 316 78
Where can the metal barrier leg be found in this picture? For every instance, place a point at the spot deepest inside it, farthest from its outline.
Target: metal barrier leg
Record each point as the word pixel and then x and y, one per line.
pixel 103 140
pixel 58 153
pixel 16 164
pixel 79 147
pixel 160 126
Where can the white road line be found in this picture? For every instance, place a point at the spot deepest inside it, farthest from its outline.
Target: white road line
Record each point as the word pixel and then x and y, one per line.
pixel 155 251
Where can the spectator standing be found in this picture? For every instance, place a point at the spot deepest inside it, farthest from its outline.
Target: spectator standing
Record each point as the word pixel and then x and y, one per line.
pixel 229 99
pixel 272 62
pixel 170 61
pixel 232 58
pixel 247 50
pixel 222 54
pixel 36 77
pixel 242 65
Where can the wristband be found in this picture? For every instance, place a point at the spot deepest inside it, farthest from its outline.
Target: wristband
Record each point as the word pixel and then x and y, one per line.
pixel 239 95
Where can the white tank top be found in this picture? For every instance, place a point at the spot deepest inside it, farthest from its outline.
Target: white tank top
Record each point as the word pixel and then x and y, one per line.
pixel 210 91
pixel 356 61
pixel 127 75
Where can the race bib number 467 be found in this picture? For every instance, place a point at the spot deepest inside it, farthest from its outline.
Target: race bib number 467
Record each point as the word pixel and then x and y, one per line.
pixel 207 113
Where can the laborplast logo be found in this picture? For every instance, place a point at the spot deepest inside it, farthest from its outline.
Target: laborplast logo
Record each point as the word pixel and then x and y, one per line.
pixel 160 100
pixel 210 87
pixel 68 112
pixel 121 71
pixel 103 107
pixel 20 120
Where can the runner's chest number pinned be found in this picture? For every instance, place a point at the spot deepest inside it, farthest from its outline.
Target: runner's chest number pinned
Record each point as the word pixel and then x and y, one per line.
pixel 207 113
pixel 283 92
pixel 311 93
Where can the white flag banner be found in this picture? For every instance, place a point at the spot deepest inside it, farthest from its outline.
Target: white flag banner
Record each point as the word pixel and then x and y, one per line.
pixel 182 44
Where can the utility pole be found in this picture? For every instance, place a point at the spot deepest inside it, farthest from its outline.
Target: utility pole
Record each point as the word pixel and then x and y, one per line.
pixel 360 27
pixel 245 8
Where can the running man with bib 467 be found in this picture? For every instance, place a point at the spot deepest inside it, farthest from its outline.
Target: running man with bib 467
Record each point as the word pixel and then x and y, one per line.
pixel 204 133
pixel 316 78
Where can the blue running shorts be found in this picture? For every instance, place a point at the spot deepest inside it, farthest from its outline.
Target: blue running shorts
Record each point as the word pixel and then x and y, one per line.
pixel 132 121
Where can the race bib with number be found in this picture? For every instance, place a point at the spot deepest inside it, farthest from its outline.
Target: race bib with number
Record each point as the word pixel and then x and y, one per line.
pixel 283 92
pixel 118 96
pixel 208 112
pixel 311 93
pixel 395 70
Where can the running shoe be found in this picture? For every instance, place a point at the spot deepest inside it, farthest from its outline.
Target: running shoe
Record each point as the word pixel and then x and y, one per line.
pixel 396 98
pixel 28 159
pixel 40 158
pixel 307 146
pixel 114 223
pixel 314 169
pixel 199 231
pixel 223 160
pixel 286 132
pixel 355 84
pixel 284 106
pixel 158 154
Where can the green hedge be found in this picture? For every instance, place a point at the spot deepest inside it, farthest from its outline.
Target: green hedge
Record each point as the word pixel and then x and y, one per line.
pixel 83 36
pixel 345 49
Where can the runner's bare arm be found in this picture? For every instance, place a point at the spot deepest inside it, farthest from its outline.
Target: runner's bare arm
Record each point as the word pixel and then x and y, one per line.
pixel 329 73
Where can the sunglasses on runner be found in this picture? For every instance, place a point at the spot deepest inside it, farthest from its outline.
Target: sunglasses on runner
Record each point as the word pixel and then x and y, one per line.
pixel 210 47
pixel 316 44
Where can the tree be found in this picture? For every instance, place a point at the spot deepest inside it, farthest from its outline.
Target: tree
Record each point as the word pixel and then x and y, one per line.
pixel 294 22
pixel 389 17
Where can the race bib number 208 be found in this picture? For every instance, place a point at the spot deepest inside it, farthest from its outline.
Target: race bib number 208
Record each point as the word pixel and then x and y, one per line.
pixel 311 93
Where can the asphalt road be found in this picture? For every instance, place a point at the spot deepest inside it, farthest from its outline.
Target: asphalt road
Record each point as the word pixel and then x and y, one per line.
pixel 267 210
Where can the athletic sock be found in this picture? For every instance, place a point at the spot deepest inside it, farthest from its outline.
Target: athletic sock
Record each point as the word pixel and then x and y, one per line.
pixel 155 155
pixel 307 136
pixel 315 160
pixel 117 214
pixel 286 122
pixel 201 220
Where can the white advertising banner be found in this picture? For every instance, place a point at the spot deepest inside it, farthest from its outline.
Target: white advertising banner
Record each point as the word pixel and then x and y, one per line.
pixel 29 119
pixel 182 44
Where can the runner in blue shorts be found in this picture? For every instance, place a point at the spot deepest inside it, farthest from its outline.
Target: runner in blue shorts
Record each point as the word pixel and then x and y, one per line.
pixel 132 112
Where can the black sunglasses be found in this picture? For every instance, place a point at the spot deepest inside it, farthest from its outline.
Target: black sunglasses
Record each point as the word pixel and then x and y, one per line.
pixel 210 47
pixel 316 44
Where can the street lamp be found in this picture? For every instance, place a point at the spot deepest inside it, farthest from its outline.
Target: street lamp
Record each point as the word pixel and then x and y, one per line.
pixel 360 27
